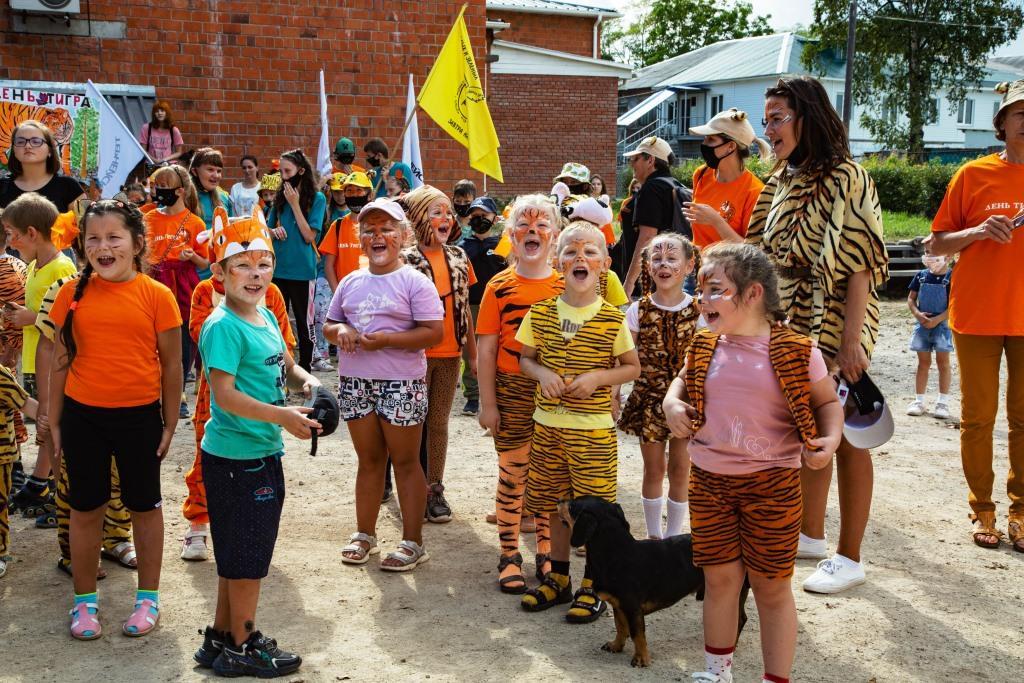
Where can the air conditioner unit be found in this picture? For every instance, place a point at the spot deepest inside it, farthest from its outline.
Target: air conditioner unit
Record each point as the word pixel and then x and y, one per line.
pixel 48 6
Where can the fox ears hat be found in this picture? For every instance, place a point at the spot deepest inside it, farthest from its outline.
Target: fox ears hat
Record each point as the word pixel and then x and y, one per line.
pixel 230 237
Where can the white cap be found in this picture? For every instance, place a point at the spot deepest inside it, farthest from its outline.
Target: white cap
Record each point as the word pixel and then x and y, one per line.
pixel 388 206
pixel 655 146
pixel 733 124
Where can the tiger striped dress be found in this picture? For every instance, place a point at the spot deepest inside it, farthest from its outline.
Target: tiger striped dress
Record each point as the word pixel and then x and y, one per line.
pixel 819 230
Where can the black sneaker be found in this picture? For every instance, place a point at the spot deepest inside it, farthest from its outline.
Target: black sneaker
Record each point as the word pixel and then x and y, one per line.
pixel 213 645
pixel 258 656
pixel 183 413
pixel 438 510
pixel 18 477
pixel 32 501
pixel 472 407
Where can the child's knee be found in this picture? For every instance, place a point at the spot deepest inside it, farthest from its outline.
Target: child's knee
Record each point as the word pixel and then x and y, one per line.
pixel 771 592
pixel 942 360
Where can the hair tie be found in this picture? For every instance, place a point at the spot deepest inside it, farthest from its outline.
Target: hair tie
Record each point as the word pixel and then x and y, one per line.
pixel 73 306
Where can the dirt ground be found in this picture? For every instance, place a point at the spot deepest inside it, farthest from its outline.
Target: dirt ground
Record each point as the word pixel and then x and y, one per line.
pixel 935 607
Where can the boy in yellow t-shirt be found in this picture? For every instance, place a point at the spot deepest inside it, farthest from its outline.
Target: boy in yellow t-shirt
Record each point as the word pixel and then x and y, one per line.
pixel 27 221
pixel 576 346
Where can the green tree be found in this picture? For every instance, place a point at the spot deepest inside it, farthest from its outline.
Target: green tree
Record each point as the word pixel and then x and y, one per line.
pixel 667 28
pixel 906 51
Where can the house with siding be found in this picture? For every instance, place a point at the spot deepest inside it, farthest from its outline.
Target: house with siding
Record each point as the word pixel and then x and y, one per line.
pixel 668 98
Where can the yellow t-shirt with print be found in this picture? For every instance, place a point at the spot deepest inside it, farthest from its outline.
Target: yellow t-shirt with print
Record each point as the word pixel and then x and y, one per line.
pixel 36 284
pixel 571 319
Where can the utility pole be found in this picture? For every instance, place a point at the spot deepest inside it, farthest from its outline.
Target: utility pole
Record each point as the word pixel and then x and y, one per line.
pixel 851 48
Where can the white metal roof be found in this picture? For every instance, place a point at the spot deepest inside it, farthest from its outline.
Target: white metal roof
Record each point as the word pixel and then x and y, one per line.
pixel 593 8
pixel 648 104
pixel 517 58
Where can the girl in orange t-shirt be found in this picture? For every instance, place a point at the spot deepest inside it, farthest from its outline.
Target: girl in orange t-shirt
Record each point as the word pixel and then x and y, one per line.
pixel 430 213
pixel 114 385
pixel 175 253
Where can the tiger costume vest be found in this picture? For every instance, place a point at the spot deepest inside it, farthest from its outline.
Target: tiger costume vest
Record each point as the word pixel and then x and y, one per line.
pixel 589 349
pixel 661 343
pixel 458 274
pixel 790 355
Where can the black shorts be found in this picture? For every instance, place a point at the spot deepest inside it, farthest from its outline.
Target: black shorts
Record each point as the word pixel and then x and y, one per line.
pixel 91 435
pixel 244 499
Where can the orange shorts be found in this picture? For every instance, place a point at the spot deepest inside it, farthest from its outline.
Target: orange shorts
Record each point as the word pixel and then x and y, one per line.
pixel 750 517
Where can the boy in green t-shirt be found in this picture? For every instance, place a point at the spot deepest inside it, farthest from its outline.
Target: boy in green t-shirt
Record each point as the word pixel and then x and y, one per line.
pixel 27 221
pixel 247 365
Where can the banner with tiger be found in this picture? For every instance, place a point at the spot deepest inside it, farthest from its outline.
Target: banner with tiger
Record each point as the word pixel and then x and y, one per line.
pixel 72 118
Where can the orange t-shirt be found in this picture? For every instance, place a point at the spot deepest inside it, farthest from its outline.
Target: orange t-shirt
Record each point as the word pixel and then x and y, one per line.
pixel 449 346
pixel 987 291
pixel 342 242
pixel 116 326
pixel 204 301
pixel 167 236
pixel 147 207
pixel 506 300
pixel 734 201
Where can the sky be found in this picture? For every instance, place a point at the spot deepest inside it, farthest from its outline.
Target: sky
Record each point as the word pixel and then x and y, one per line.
pixel 785 14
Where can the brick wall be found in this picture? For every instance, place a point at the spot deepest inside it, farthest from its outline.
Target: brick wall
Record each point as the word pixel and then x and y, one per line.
pixel 251 85
pixel 563 33
pixel 545 121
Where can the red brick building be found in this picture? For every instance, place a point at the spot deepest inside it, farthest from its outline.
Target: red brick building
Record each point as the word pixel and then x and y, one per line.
pixel 242 75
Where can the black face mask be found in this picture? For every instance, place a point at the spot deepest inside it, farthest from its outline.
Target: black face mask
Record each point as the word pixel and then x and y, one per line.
pixel 708 152
pixel 295 180
pixel 346 158
pixel 356 203
pixel 165 196
pixel 373 161
pixel 481 224
pixel 461 210
pixel 578 188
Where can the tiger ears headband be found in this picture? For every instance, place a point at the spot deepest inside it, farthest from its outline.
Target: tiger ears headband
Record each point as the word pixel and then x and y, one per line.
pixel 242 235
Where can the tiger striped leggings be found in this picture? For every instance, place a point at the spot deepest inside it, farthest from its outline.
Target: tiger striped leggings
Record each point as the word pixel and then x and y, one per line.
pixel 6 470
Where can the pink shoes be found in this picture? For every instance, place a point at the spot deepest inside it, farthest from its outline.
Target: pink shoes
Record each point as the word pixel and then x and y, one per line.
pixel 143 619
pixel 85 623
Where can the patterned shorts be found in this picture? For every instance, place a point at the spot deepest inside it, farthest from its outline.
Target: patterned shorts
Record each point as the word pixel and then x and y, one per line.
pixel 569 463
pixel 401 402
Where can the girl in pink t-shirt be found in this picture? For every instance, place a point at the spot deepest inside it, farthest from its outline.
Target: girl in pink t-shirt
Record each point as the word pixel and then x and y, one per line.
pixel 755 400
pixel 381 320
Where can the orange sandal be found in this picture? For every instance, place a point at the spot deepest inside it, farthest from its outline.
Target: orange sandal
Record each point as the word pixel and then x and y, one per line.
pixel 985 526
pixel 1015 530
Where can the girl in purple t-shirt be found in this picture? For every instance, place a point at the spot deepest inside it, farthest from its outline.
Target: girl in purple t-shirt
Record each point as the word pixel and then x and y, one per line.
pixel 381 319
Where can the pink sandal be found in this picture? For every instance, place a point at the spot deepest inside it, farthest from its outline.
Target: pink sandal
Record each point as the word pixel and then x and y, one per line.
pixel 143 619
pixel 85 623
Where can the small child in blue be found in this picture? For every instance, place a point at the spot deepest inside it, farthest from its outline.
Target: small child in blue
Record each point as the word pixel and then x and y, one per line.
pixel 929 303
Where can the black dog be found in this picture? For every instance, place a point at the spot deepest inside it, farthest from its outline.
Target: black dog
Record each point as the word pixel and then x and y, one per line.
pixel 634 577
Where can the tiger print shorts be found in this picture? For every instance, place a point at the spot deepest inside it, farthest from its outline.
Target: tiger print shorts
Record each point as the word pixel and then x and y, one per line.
pixel 569 463
pixel 514 394
pixel 750 517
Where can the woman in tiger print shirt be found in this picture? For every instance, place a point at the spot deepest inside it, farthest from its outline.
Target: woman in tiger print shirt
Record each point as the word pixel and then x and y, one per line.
pixel 820 221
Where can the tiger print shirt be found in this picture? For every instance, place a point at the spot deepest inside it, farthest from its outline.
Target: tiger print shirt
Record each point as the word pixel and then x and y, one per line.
pixel 832 225
pixel 12 398
pixel 13 272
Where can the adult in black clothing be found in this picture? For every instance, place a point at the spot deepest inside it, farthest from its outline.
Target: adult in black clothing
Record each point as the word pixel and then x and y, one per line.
pixel 622 252
pixel 653 212
pixel 35 167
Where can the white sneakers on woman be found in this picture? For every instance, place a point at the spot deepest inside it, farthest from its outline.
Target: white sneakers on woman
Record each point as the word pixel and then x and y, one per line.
pixel 834 575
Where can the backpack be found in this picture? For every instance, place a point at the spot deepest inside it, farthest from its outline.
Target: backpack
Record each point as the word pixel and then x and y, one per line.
pixel 680 194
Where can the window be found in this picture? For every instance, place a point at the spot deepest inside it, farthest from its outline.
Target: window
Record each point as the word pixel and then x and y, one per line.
pixel 840 100
pixel 931 117
pixel 965 114
pixel 717 104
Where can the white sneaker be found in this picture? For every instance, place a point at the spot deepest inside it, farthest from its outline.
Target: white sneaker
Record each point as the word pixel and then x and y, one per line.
pixel 193 546
pixel 322 365
pixel 812 548
pixel 708 677
pixel 941 411
pixel 835 574
pixel 916 409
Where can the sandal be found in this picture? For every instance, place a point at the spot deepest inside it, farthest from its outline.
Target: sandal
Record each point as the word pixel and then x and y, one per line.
pixel 542 560
pixel 65 567
pixel 410 554
pixel 362 555
pixel 985 526
pixel 514 584
pixel 85 623
pixel 1015 530
pixel 123 553
pixel 47 520
pixel 549 593
pixel 586 606
pixel 143 619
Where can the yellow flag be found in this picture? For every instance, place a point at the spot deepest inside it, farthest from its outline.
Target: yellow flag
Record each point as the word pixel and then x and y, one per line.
pixel 454 97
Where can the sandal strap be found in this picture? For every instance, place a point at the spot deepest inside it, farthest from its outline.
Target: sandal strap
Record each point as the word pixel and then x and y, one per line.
pixel 506 560
pixel 414 548
pixel 365 538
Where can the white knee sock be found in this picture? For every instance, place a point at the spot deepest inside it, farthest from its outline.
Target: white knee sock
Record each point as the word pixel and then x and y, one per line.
pixel 677 514
pixel 652 515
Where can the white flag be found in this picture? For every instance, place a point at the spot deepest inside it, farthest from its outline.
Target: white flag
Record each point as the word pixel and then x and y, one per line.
pixel 323 152
pixel 119 150
pixel 411 142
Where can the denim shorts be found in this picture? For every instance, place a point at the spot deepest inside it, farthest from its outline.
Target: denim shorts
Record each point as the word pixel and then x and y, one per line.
pixel 938 339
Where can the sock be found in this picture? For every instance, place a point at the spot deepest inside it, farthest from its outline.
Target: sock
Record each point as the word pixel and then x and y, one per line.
pixel 652 515
pixel 772 678
pixel 559 567
pixel 36 485
pixel 677 513
pixel 944 398
pixel 920 398
pixel 718 660
pixel 141 595
pixel 87 597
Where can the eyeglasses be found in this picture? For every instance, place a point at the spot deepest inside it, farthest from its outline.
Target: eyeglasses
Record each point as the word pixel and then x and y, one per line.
pixel 775 123
pixel 34 143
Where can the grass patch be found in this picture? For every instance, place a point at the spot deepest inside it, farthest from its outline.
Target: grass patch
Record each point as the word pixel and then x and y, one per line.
pixel 904 226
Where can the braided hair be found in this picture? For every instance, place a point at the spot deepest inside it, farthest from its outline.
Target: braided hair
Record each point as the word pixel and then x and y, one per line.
pixel 746 265
pixel 133 223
